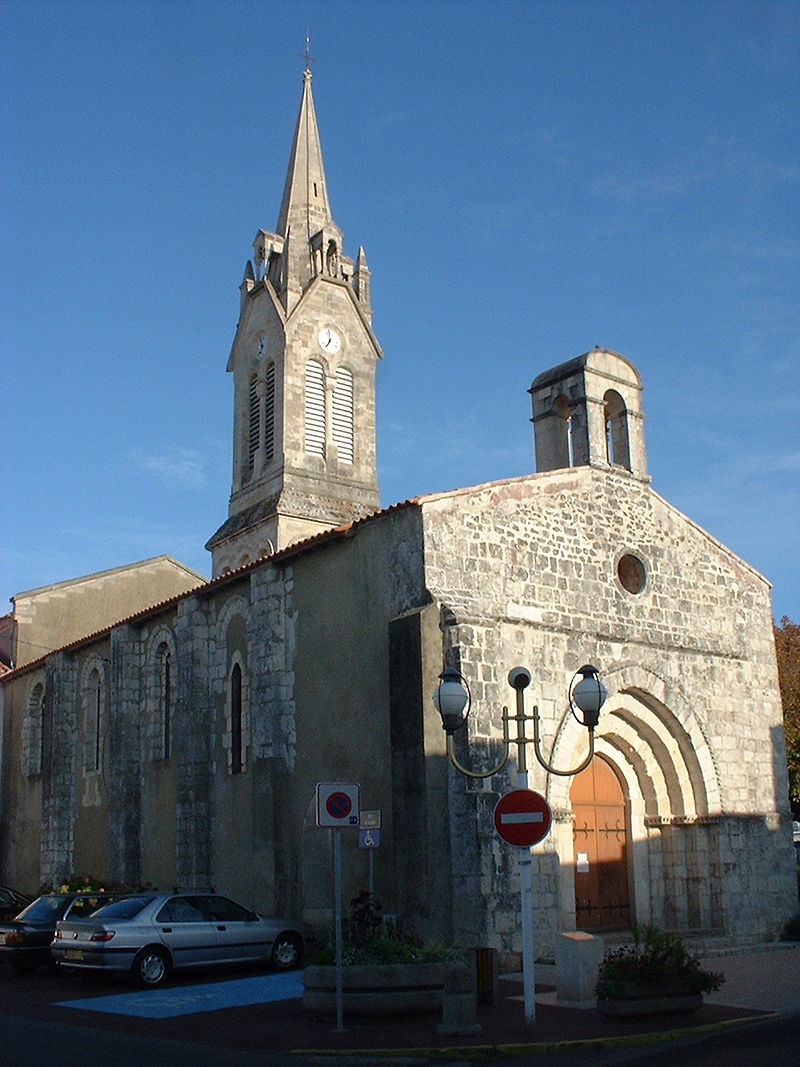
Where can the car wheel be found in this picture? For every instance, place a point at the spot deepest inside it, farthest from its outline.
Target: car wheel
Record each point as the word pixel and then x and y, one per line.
pixel 151 967
pixel 287 951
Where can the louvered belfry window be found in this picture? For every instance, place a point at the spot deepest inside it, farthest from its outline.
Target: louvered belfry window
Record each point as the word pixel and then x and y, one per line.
pixel 315 409
pixel 254 426
pixel 342 428
pixel 269 413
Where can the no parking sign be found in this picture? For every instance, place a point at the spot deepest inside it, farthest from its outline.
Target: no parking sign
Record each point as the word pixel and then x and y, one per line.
pixel 337 804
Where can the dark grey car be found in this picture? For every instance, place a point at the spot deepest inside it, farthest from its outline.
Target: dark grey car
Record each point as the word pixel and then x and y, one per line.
pixel 150 934
pixel 25 940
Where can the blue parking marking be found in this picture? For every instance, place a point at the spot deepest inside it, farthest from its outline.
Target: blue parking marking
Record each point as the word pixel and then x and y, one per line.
pixel 185 1000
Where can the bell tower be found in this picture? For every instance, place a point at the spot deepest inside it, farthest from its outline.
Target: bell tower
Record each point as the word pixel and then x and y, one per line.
pixel 588 412
pixel 303 362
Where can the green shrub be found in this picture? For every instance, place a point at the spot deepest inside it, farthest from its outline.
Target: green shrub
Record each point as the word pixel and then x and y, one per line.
pixel 387 948
pixel 656 960
pixel 367 939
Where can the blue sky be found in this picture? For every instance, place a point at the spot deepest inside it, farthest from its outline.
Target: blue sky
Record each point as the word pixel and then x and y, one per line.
pixel 528 180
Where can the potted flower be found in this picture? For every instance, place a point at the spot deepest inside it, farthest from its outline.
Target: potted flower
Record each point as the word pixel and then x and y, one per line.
pixel 385 972
pixel 655 974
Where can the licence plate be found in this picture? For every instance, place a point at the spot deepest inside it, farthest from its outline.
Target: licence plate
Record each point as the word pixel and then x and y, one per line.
pixel 73 954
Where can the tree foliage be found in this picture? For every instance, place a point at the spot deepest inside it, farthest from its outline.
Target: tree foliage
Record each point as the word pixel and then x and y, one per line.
pixel 787 649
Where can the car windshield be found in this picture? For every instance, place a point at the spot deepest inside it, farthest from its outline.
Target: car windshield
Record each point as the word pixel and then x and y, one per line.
pixel 125 908
pixel 44 908
pixel 84 906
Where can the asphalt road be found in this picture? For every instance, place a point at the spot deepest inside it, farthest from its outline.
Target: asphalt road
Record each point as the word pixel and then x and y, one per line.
pixel 55 1019
pixel 31 1043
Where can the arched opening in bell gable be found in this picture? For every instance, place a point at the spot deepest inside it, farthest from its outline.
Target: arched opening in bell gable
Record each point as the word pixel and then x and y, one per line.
pixel 562 444
pixel 618 452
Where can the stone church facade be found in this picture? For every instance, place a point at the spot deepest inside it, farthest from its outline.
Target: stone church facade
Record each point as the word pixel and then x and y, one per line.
pixel 183 745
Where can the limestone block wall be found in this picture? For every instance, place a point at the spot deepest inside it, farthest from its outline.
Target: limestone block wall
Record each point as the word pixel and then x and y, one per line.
pixel 340 599
pixel 123 755
pixel 300 493
pixel 58 785
pixel 193 751
pixel 21 785
pixel 528 572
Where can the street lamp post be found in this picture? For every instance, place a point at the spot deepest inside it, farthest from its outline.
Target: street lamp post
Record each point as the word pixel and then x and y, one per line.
pixel 453 701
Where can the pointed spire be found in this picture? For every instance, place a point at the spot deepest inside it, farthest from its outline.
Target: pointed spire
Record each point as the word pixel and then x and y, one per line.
pixel 248 283
pixel 361 282
pixel 305 206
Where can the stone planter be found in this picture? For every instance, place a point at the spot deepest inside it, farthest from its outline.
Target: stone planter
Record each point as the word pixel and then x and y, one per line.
pixel 377 989
pixel 637 998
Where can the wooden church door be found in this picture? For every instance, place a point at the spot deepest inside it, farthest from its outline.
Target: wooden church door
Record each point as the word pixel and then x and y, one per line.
pixel 600 854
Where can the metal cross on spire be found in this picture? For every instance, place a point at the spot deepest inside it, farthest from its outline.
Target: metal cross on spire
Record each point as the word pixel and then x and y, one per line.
pixel 308 57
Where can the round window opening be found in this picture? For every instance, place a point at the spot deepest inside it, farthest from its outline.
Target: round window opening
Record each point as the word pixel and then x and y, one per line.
pixel 631 573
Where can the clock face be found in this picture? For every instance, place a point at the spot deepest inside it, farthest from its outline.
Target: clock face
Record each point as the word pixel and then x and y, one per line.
pixel 262 346
pixel 329 340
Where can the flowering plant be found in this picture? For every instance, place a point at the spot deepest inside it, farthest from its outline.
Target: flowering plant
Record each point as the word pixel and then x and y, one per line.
pixel 86 883
pixel 655 962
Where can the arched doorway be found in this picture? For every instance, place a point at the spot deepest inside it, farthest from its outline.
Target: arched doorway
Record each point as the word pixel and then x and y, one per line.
pixel 600 849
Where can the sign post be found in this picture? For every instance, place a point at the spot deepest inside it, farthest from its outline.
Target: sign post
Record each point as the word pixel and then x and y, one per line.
pixel 337 806
pixel 522 818
pixel 369 837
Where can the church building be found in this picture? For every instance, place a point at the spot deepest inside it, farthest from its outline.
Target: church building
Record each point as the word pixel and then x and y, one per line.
pixel 183 744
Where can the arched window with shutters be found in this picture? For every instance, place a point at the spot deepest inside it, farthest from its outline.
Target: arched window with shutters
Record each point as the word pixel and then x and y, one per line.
pixel 269 414
pixel 254 425
pixel 342 421
pixel 315 409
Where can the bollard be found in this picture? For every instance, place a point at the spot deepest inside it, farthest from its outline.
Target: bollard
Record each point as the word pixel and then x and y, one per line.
pixel 486 974
pixel 458 1003
pixel 578 957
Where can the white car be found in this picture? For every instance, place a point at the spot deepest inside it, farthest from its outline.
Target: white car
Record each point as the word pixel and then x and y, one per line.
pixel 151 934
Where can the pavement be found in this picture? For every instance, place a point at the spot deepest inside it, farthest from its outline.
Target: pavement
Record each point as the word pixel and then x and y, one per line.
pixel 257 1018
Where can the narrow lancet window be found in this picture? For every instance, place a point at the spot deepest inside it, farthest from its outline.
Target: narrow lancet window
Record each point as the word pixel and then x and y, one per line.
pixel 166 702
pixel 236 719
pixel 93 722
pixel 33 734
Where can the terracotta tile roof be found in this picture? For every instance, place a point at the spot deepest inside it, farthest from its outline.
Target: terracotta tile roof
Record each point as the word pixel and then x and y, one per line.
pixel 206 589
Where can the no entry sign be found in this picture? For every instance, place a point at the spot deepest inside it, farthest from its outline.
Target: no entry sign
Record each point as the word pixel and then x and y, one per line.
pixel 522 818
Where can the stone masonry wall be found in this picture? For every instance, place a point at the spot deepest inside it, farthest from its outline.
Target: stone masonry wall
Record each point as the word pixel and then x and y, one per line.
pixel 59 788
pixel 526 573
